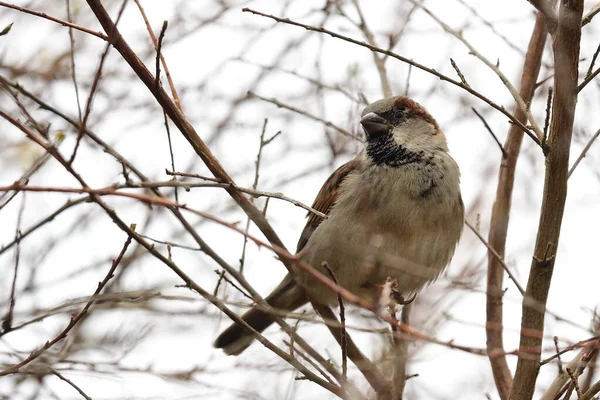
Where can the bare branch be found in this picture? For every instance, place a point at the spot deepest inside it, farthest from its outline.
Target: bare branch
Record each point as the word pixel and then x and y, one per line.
pixel 501 214
pixel 405 60
pixel 566 43
pixel 515 94
pixel 53 19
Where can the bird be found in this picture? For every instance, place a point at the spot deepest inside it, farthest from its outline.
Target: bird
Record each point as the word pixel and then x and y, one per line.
pixel 393 212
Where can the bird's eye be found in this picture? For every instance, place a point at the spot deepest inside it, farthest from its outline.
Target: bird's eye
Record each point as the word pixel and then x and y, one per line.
pixel 396 115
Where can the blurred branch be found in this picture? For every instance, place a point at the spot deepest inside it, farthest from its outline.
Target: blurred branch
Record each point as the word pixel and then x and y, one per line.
pixel 70 382
pixel 53 19
pixel 405 60
pixel 501 214
pixel 557 388
pixel 498 258
pixel 584 152
pixel 593 391
pixel 74 320
pixel 252 192
pixel 588 18
pixel 150 248
pixel 161 199
pixel 386 87
pixel 306 114
pixel 566 44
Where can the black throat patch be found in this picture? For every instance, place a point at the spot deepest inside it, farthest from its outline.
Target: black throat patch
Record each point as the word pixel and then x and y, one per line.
pixel 384 150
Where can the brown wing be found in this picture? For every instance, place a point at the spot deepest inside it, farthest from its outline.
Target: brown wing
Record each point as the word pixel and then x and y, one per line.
pixel 326 198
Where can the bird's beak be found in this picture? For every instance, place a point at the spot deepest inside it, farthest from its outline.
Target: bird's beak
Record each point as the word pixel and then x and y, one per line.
pixel 374 125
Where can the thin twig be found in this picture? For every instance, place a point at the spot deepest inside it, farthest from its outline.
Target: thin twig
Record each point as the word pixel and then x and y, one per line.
pixel 513 91
pixel 408 74
pixel 459 73
pixel 588 79
pixel 8 319
pixel 497 256
pixel 162 59
pixel 343 334
pixel 53 19
pixel 548 113
pixel 306 114
pixel 93 88
pixel 262 144
pixel 584 152
pixel 588 17
pixel 74 320
pixel 70 382
pixel 379 61
pixel 161 36
pixel 574 382
pixel 559 361
pixel 72 56
pixel 405 60
pixel 489 129
pixel 593 62
pixel 252 192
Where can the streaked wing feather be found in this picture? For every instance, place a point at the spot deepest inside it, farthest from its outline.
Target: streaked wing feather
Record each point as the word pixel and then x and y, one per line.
pixel 326 198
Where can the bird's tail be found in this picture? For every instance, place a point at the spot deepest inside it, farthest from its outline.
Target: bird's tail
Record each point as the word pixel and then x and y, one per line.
pixel 288 296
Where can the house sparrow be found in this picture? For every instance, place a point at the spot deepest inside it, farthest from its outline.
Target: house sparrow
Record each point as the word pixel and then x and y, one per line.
pixel 395 211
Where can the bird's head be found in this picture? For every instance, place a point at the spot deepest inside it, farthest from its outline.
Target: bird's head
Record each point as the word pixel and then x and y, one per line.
pixel 400 131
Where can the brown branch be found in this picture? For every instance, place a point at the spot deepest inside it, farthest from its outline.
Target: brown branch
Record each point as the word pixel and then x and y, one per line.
pixel 162 58
pixel 93 88
pixel 501 213
pixel 566 42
